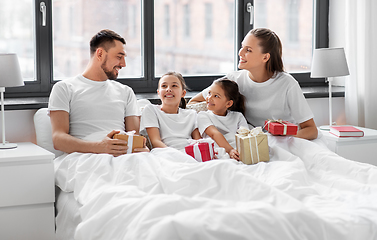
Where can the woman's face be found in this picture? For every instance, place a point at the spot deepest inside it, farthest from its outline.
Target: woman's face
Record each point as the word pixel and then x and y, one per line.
pixel 251 55
pixel 170 90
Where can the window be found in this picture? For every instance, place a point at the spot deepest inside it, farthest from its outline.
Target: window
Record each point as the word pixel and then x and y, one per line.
pixel 186 20
pixel 208 20
pixel 17 34
pixel 198 38
pixel 207 52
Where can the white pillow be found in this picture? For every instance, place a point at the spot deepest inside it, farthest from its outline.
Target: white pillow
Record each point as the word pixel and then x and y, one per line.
pixel 43 131
pixel 201 106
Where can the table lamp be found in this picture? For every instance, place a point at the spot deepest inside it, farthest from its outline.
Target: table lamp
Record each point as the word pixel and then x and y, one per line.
pixel 10 76
pixel 329 62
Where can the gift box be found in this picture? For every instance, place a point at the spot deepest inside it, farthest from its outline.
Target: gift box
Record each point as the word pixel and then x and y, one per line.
pixel 202 150
pixel 279 127
pixel 133 141
pixel 252 146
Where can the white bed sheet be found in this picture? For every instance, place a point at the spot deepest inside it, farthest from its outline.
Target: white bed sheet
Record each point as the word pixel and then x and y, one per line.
pixel 304 192
pixel 68 215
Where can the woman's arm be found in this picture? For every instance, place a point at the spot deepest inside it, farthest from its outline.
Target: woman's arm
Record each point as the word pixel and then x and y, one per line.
pixel 155 137
pixel 213 133
pixel 197 98
pixel 308 130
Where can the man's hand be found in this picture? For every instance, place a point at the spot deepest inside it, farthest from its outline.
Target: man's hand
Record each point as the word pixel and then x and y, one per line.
pixel 144 149
pixel 115 147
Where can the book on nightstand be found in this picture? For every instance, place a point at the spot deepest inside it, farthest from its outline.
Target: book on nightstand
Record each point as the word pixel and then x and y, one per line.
pixel 346 131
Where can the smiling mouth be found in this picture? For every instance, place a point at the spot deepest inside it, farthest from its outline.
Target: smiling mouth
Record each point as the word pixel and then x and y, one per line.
pixel 169 96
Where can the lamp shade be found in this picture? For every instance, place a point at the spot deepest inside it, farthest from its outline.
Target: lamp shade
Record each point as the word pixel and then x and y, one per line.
pixel 329 62
pixel 10 73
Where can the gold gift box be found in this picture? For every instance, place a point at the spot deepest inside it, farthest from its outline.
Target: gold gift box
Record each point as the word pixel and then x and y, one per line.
pixel 138 141
pixel 252 149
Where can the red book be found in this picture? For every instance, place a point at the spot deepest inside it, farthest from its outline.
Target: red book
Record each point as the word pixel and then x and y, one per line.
pixel 346 131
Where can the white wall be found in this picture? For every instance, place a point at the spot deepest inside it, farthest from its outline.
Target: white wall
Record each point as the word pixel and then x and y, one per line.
pixel 19 125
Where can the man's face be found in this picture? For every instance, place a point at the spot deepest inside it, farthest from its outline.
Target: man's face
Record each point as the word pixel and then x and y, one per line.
pixel 114 60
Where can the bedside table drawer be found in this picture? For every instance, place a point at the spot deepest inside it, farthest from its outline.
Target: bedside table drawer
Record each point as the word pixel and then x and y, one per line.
pixel 26 184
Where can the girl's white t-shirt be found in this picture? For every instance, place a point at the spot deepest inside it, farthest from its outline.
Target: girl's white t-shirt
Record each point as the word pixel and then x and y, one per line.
pixel 227 125
pixel 175 129
pixel 93 106
pixel 280 97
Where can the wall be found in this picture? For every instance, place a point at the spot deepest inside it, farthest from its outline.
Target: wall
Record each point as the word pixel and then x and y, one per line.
pixel 19 124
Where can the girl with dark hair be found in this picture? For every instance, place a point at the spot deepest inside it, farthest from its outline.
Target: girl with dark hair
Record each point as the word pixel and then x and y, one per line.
pixel 224 117
pixel 170 124
pixel 270 92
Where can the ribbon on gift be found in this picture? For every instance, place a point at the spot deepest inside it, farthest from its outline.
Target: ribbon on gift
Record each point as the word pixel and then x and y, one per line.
pixel 197 153
pixel 130 140
pixel 253 133
pixel 278 121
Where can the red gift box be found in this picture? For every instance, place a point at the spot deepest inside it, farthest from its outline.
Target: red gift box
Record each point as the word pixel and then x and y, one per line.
pixel 279 127
pixel 202 150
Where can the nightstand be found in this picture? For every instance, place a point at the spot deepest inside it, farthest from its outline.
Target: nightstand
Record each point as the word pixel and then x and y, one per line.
pixel 361 149
pixel 27 193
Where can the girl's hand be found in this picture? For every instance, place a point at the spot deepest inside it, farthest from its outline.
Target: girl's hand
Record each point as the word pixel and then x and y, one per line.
pixel 234 154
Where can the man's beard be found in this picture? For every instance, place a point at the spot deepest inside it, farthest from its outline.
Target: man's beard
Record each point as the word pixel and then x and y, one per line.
pixel 110 74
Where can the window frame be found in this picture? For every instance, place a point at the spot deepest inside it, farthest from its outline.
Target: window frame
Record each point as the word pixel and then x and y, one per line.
pixel 41 87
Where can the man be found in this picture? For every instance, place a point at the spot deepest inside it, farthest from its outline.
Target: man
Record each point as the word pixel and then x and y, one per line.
pixel 94 103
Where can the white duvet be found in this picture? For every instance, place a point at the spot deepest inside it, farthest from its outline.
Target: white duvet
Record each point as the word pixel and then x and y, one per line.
pixel 304 192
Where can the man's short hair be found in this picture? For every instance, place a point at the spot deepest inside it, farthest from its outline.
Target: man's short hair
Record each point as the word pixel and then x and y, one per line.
pixel 105 39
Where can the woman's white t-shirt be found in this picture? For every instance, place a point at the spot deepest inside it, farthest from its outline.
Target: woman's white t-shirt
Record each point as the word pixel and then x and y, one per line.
pixel 93 106
pixel 227 125
pixel 280 97
pixel 175 129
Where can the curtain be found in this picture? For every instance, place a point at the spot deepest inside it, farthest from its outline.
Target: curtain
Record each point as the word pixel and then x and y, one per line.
pixel 361 51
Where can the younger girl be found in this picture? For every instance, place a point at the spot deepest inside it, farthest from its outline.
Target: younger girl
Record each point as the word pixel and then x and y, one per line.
pixel 169 124
pixel 224 116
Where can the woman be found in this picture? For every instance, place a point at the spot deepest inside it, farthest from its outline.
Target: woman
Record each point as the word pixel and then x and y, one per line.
pixel 270 92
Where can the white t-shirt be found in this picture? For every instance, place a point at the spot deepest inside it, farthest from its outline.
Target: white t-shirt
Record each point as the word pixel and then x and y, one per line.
pixel 93 106
pixel 175 129
pixel 280 97
pixel 227 125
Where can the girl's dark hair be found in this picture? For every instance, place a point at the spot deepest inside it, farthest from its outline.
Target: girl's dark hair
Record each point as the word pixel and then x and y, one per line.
pixel 105 39
pixel 271 44
pixel 232 93
pixel 183 102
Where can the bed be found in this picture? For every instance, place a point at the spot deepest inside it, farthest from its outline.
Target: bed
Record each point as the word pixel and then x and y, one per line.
pixel 305 191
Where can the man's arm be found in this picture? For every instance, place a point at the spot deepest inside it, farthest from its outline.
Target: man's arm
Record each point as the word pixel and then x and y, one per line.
pixel 132 123
pixel 63 141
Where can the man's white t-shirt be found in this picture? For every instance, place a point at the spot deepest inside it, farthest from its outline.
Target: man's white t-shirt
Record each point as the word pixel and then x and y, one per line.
pixel 227 125
pixel 93 106
pixel 280 97
pixel 175 129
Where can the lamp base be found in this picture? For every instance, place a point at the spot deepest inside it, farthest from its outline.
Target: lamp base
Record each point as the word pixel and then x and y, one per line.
pixel 325 127
pixel 7 145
